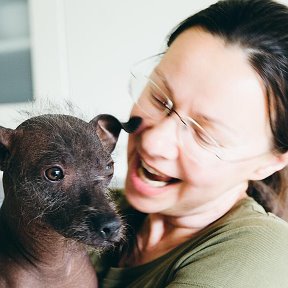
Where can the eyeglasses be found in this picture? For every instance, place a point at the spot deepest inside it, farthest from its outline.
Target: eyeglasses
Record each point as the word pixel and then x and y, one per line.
pixel 149 93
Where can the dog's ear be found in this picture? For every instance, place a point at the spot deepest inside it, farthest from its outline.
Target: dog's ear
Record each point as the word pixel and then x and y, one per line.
pixel 5 143
pixel 108 129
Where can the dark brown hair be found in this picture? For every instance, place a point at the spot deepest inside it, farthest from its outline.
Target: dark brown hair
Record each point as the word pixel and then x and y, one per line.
pixel 260 27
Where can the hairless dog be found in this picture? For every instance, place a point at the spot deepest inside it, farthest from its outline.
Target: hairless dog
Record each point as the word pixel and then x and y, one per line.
pixel 56 172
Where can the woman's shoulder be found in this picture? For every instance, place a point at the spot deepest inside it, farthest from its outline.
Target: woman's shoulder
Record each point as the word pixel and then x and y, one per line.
pixel 247 247
pixel 247 215
pixel 247 226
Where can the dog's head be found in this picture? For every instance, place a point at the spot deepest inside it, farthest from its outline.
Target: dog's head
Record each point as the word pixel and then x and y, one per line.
pixel 57 169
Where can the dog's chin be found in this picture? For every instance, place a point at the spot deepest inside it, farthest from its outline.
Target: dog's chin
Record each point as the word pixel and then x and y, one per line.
pixel 94 239
pixel 101 231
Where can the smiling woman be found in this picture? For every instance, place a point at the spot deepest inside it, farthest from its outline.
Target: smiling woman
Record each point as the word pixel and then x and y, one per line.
pixel 213 134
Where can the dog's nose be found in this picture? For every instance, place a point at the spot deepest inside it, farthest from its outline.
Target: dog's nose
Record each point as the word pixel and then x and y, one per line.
pixel 110 229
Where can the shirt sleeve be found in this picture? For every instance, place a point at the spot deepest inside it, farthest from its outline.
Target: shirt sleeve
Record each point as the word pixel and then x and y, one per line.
pixel 253 254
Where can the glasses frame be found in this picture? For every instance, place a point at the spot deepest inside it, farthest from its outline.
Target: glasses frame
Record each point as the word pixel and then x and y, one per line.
pixel 171 110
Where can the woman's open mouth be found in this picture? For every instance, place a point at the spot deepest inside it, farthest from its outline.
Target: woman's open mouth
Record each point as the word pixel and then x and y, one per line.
pixel 153 177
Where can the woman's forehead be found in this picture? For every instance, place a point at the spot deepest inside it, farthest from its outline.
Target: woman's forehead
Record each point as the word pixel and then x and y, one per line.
pixel 207 76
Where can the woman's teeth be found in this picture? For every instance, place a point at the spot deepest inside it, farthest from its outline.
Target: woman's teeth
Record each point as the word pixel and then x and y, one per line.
pixel 153 183
pixel 150 169
pixel 153 177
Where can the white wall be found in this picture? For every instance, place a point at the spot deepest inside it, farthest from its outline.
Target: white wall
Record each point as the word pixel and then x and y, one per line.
pixel 104 38
pixel 82 50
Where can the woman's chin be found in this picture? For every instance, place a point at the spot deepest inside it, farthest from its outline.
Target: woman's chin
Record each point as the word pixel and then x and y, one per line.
pixel 142 203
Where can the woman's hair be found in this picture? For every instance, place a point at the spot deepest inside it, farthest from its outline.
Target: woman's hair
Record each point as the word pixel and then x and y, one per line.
pixel 260 28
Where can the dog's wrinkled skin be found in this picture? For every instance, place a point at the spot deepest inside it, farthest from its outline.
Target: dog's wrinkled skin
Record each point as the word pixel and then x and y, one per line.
pixel 56 172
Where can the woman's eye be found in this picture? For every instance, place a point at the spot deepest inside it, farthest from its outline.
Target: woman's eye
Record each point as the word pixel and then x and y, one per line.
pixel 158 102
pixel 158 98
pixel 54 174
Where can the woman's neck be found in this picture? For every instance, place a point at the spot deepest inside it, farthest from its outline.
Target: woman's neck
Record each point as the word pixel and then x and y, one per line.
pixel 161 232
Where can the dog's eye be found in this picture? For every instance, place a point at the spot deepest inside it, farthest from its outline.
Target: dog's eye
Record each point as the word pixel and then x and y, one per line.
pixel 54 174
pixel 109 166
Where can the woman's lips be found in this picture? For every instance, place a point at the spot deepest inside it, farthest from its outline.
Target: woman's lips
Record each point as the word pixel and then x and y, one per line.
pixel 147 176
pixel 154 177
pixel 146 181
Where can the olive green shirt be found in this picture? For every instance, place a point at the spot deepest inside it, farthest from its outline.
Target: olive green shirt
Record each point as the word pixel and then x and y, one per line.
pixel 247 247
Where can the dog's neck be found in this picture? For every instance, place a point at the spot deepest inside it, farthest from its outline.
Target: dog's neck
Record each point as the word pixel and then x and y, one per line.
pixel 34 254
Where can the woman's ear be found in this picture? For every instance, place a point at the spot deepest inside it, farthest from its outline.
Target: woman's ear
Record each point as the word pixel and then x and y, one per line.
pixel 275 163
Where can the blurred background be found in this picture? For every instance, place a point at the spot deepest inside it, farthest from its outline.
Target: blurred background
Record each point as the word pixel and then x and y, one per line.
pixel 80 51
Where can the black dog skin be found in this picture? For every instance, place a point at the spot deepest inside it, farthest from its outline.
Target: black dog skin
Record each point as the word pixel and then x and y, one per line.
pixel 56 172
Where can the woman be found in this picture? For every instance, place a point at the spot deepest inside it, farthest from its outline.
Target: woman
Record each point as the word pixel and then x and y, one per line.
pixel 214 135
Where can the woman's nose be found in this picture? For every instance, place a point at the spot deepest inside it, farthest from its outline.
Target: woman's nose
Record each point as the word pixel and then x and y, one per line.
pixel 160 139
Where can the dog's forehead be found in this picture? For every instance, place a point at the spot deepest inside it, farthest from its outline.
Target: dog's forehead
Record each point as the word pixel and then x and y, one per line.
pixel 50 120
pixel 50 125
pixel 57 131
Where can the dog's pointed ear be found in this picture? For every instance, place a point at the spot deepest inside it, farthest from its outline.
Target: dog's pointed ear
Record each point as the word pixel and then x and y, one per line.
pixel 5 143
pixel 108 129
